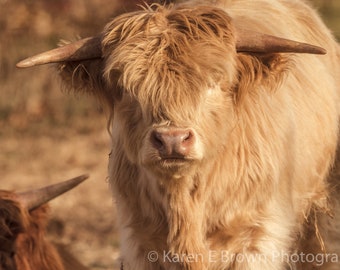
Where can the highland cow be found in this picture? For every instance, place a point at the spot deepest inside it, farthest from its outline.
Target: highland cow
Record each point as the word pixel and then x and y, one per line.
pixel 224 124
pixel 23 221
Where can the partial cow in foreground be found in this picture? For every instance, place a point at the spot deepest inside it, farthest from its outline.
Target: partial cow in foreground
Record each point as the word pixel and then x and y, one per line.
pixel 224 123
pixel 23 221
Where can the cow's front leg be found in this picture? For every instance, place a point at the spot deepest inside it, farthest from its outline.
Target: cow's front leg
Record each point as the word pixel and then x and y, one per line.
pixel 261 242
pixel 268 248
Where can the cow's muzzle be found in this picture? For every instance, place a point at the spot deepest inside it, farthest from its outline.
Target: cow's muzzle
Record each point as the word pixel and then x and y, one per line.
pixel 172 143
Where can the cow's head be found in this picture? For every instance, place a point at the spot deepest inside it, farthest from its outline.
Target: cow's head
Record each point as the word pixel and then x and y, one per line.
pixel 23 219
pixel 173 77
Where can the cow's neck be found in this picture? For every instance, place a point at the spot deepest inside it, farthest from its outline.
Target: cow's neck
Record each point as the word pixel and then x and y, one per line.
pixel 183 202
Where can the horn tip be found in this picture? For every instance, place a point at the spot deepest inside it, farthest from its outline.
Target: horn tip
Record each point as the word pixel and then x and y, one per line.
pixel 25 63
pixel 322 50
pixel 77 180
pixel 81 178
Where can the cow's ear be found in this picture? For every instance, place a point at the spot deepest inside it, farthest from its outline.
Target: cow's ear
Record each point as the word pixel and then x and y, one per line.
pixel 81 76
pixel 87 77
pixel 256 70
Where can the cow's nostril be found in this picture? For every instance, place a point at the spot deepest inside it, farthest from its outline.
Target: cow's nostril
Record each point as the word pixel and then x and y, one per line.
pixel 187 136
pixel 156 140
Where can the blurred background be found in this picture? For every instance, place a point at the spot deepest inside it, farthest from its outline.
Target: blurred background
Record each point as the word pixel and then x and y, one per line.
pixel 47 135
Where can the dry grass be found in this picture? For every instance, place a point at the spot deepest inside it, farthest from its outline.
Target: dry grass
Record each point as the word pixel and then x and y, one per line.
pixel 48 136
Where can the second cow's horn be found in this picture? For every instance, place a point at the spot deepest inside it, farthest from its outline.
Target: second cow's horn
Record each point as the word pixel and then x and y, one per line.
pixel 34 198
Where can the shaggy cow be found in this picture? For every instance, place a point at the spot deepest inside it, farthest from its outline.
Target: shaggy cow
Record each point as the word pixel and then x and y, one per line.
pixel 223 134
pixel 23 219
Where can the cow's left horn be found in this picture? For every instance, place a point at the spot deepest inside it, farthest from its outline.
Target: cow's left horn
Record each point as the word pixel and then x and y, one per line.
pixel 34 198
pixel 84 49
pixel 249 41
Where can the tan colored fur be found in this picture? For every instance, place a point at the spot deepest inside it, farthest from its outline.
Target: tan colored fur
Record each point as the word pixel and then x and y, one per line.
pixel 266 129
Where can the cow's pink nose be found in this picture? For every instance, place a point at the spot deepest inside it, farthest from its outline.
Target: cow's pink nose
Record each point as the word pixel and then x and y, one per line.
pixel 172 143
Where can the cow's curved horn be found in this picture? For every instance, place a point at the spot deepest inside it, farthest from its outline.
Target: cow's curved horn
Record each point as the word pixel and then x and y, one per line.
pixel 84 49
pixel 34 198
pixel 249 41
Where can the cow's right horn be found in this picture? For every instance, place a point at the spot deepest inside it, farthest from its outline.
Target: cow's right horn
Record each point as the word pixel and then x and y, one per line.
pixel 84 49
pixel 35 198
pixel 255 42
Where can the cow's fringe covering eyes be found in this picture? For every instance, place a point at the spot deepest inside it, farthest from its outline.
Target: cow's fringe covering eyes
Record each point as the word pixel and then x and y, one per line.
pixel 130 55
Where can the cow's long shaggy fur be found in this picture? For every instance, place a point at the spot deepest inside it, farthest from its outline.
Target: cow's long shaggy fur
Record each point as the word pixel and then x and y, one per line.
pixel 11 224
pixel 24 245
pixel 266 130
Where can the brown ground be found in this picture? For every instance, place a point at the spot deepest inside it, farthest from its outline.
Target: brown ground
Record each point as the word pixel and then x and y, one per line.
pixel 82 219
pixel 47 136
